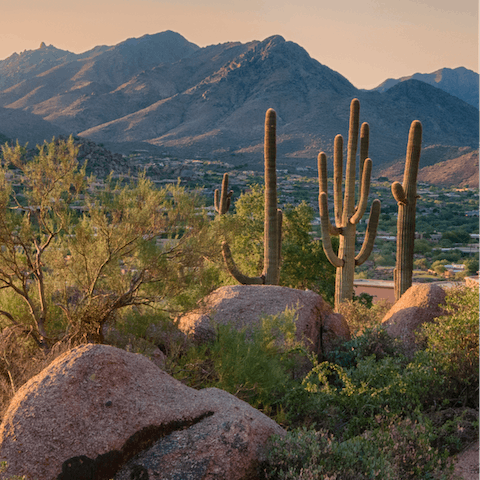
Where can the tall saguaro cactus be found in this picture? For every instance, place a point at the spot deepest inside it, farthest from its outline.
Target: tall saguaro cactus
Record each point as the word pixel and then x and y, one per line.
pixel 406 197
pixel 222 199
pixel 347 216
pixel 273 217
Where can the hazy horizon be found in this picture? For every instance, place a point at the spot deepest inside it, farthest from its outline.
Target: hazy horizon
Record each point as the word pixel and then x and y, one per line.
pixel 366 42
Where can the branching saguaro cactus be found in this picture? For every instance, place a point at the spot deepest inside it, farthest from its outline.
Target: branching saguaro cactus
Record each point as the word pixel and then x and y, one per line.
pixel 273 217
pixel 347 215
pixel 222 199
pixel 406 197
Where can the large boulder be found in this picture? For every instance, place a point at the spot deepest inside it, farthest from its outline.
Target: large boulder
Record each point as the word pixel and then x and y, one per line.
pixel 228 444
pixel 244 305
pixel 421 303
pixel 96 407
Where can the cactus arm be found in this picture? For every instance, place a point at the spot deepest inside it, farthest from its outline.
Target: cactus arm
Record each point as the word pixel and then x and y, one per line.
pixel 365 190
pixel 322 182
pixel 414 147
pixel 222 201
pixel 398 193
pixel 216 203
pixel 326 239
pixel 322 172
pixel 235 272
pixel 349 197
pixel 337 179
pixel 370 234
pixel 364 143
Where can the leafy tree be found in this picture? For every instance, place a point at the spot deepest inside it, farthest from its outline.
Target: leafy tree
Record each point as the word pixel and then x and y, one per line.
pixel 32 216
pixel 456 236
pixel 471 266
pixel 421 263
pixel 304 264
pixel 132 245
pixel 438 266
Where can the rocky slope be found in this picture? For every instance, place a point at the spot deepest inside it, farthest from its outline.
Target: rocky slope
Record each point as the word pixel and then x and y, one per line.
pixel 462 170
pixel 460 82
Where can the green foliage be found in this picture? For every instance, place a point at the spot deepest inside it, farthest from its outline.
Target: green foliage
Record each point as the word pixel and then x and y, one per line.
pixel 132 245
pixel 438 266
pixel 304 264
pixel 373 341
pixel 257 364
pixel 471 266
pixel 452 344
pixel 397 449
pixel 371 388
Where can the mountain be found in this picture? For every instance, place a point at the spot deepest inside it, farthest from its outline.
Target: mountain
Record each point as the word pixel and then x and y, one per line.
pixel 442 166
pixel 170 95
pixel 460 82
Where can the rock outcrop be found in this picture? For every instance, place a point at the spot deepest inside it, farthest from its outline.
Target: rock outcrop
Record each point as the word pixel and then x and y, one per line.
pixel 419 304
pixel 228 444
pixel 96 407
pixel 244 306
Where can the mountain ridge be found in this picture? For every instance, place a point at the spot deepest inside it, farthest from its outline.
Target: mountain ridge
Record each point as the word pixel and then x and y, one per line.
pixel 189 101
pixel 460 82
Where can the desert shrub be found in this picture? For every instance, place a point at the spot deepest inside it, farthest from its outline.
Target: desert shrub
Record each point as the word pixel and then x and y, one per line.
pixel 372 341
pixel 360 316
pixel 353 396
pixel 396 449
pixel 257 364
pixel 452 345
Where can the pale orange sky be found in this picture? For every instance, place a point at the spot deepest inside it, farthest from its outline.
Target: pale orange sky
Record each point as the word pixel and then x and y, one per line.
pixel 367 41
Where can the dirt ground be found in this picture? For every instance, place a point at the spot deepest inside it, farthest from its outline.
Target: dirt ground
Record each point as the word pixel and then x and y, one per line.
pixel 466 466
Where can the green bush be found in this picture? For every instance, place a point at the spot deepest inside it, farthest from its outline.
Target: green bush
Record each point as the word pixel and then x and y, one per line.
pixel 397 449
pixel 452 345
pixel 258 365
pixel 353 396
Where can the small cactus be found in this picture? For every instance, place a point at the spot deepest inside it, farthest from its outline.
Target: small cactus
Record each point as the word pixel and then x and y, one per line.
pixel 222 200
pixel 406 197
pixel 273 217
pixel 347 215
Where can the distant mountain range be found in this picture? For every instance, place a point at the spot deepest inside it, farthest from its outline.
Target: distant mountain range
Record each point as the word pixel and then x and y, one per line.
pixel 460 82
pixel 166 94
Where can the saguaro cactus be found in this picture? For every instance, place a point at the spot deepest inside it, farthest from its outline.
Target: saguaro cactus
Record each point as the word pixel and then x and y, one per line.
pixel 347 215
pixel 273 217
pixel 406 197
pixel 222 200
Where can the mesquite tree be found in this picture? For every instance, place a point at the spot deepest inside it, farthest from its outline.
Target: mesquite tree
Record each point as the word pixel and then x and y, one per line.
pixel 406 197
pixel 347 215
pixel 66 271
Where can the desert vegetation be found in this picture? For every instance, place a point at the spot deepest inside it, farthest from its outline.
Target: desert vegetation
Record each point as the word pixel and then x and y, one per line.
pixel 116 262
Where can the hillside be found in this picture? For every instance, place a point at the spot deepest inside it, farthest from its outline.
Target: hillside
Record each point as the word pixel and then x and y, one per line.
pixel 172 96
pixel 460 171
pixel 460 82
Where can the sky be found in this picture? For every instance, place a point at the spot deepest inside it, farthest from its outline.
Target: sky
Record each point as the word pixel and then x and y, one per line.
pixel 367 41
